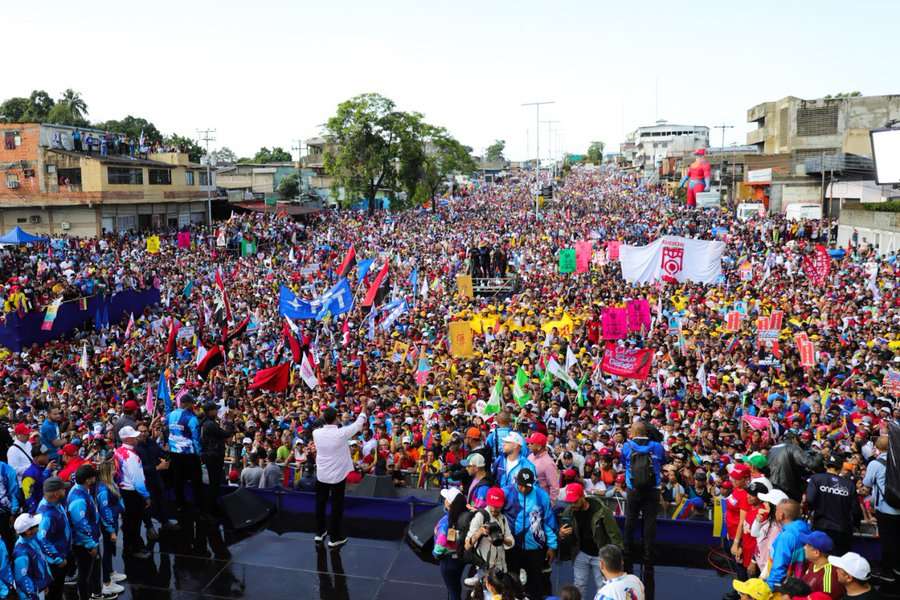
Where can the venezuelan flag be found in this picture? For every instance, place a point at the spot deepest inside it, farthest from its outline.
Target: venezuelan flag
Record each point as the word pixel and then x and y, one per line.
pixel 718 523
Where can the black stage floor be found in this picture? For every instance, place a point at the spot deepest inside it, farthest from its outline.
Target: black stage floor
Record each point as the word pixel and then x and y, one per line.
pixel 268 565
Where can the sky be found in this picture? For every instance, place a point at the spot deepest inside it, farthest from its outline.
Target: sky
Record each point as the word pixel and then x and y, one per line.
pixel 271 72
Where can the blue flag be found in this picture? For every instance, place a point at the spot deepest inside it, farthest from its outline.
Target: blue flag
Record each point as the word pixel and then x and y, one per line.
pixel 393 312
pixel 293 307
pixel 336 301
pixel 187 288
pixel 162 392
pixel 362 267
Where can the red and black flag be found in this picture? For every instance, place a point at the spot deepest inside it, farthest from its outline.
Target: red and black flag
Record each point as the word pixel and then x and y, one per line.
pixel 379 289
pixel 349 262
pixel 290 337
pixel 339 384
pixel 237 331
pixel 174 326
pixel 222 302
pixel 214 357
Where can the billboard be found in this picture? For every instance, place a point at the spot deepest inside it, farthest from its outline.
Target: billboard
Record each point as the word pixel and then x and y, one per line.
pixel 886 151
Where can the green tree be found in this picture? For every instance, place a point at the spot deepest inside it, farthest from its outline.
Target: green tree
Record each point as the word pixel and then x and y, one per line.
pixel 133 127
pixel 75 103
pixel 13 110
pixel 276 154
pixel 61 114
pixel 40 106
pixel 445 157
pixel 365 143
pixel 225 156
pixel 187 145
pixel 289 187
pixel 494 152
pixel 595 152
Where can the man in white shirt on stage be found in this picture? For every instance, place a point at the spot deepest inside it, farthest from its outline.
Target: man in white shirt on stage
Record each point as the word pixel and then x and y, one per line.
pixel 19 454
pixel 333 463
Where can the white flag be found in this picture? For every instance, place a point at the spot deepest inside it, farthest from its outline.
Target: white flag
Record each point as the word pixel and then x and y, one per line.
pixel 701 377
pixel 424 287
pixel 307 374
pixel 571 360
pixel 555 369
pixel 672 258
pixel 84 358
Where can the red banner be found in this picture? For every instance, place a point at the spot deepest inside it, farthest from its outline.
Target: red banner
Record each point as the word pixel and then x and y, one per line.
pixel 817 266
pixel 184 239
pixel 806 349
pixel 733 321
pixel 583 256
pixel 633 363
pixel 638 313
pixel 612 249
pixel 615 323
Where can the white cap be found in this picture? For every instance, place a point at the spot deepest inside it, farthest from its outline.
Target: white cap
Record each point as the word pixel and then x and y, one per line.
pixel 128 432
pixel 353 442
pixel 449 494
pixel 246 440
pixel 26 521
pixel 513 437
pixel 773 497
pixel 855 565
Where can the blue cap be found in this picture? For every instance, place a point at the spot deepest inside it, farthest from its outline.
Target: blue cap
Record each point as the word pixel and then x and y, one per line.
pixel 818 540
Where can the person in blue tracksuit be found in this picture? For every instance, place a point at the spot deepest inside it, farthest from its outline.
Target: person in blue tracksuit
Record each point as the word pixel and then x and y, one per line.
pixel 111 507
pixel 184 450
pixel 494 440
pixel 511 461
pixel 7 581
pixel 9 502
pixel 533 524
pixel 55 534
pixel 787 549
pixel 85 520
pixel 34 477
pixel 30 569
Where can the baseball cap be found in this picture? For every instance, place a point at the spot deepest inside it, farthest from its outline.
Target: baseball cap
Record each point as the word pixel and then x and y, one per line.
pixel 473 460
pixel 449 494
pixel 574 492
pixel 473 433
pixel 792 586
pixel 514 438
pixel 69 450
pixel 755 588
pixel 495 497
pixel 756 488
pixel 537 438
pixel 852 563
pixel 833 462
pixel 773 497
pixel 128 432
pixel 54 484
pixel 131 406
pixel 757 460
pixel 739 471
pixel 22 429
pixel 525 477
pixel 26 521
pixel 818 540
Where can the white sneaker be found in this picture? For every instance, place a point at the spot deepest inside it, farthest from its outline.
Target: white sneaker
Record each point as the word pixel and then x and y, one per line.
pixel 112 588
pixel 472 581
pixel 319 538
pixel 117 577
pixel 337 543
pixel 523 576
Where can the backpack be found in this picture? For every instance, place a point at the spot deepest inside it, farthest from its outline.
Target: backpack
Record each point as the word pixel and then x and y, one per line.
pixel 462 530
pixel 892 467
pixel 641 468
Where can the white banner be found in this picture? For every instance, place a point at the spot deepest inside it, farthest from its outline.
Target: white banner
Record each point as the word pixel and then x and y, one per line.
pixel 672 258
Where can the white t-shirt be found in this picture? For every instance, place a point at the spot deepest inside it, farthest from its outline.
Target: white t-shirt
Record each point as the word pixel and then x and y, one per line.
pixel 624 587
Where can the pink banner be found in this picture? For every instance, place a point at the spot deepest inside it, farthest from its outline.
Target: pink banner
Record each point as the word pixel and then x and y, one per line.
pixel 614 322
pixel 583 256
pixel 184 239
pixel 758 423
pixel 638 312
pixel 634 363
pixel 612 249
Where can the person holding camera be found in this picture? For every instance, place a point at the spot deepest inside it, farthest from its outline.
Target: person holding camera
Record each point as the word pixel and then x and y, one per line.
pixel 489 536
pixel 586 525
pixel 447 542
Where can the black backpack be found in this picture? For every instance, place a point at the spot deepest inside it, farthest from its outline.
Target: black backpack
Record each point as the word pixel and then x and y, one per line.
pixel 462 530
pixel 892 467
pixel 641 467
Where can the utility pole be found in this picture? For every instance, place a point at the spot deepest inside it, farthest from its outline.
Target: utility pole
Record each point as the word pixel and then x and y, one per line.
pixel 299 149
pixel 537 135
pixel 550 124
pixel 205 136
pixel 722 166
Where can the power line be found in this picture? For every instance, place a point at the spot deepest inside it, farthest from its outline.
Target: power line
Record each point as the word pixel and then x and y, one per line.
pixel 204 135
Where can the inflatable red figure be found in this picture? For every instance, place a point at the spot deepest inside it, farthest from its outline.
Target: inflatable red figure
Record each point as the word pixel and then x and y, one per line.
pixel 697 177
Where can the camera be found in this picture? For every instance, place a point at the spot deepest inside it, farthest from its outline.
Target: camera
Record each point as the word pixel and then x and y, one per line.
pixel 495 534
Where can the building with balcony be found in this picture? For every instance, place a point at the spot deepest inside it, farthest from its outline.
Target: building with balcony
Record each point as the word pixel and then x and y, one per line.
pixel 52 185
pixel 245 182
pixel 647 147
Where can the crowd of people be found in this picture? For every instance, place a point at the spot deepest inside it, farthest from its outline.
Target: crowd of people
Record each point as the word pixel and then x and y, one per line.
pixel 720 417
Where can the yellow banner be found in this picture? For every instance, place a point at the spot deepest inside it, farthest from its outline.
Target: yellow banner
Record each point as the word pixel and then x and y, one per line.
pixel 464 286
pixel 153 244
pixel 461 339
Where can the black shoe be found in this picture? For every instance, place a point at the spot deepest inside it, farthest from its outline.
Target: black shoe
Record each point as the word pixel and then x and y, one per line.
pixel 152 534
pixel 138 554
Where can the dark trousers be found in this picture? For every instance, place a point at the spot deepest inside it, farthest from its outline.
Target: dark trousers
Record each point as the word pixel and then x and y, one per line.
pixel 158 504
pixel 88 572
pixel 215 466
pixel 131 521
pixel 336 492
pixel 186 467
pixel 109 550
pixel 57 581
pixel 533 561
pixel 842 541
pixel 889 534
pixel 740 571
pixel 452 572
pixel 7 533
pixel 640 504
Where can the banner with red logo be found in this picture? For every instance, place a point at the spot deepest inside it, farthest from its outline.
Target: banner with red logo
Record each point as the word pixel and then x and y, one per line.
pixel 733 321
pixel 807 350
pixel 673 259
pixel 892 382
pixel 633 363
pixel 614 322
pixel 817 266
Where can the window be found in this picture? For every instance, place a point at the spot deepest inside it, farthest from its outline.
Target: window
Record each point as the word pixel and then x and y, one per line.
pixel 11 140
pixel 160 176
pixel 12 181
pixel 69 176
pixel 189 177
pixel 125 175
pixel 204 179
pixel 813 121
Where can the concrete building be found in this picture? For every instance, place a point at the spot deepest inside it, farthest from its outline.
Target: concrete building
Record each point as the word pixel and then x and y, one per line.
pixel 52 186
pixel 252 181
pixel 647 147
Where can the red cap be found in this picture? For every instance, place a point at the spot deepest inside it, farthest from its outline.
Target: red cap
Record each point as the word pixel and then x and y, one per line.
pixel 570 473
pixel 620 478
pixel 740 471
pixel 69 450
pixel 537 438
pixel 473 433
pixel 22 429
pixel 700 151
pixel 131 406
pixel 574 492
pixel 496 497
pixel 727 485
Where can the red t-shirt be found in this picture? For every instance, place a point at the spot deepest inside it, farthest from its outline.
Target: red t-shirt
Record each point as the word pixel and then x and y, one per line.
pixel 734 504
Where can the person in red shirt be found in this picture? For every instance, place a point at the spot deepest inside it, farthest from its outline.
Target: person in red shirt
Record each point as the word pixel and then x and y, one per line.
pixel 818 573
pixel 71 462
pixel 736 508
